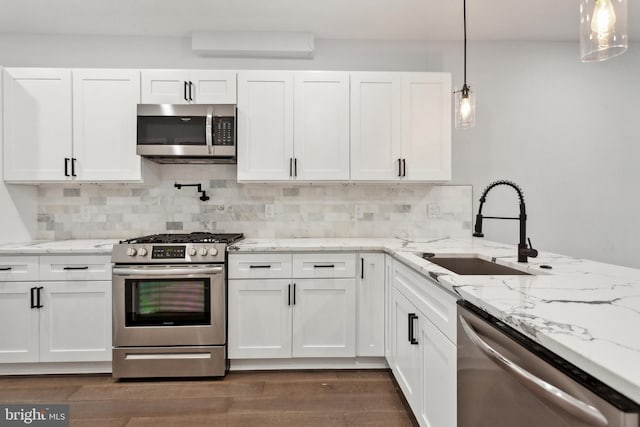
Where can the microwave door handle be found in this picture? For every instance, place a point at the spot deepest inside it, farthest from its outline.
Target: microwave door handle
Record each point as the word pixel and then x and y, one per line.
pixel 579 409
pixel 209 130
pixel 167 272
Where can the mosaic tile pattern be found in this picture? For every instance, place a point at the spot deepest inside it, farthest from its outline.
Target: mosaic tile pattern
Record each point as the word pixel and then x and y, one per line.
pixel 89 211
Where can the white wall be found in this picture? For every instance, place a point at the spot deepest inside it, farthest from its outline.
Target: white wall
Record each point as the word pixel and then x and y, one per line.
pixel 563 130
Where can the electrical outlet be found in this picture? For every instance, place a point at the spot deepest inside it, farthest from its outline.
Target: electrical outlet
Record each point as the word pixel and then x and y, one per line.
pixel 433 210
pixel 269 211
pixel 358 212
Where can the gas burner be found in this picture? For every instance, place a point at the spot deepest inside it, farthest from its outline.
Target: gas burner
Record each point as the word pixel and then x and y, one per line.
pixel 195 237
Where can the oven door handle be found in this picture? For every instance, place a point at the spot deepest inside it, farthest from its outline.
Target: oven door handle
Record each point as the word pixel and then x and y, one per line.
pixel 168 272
pixel 579 409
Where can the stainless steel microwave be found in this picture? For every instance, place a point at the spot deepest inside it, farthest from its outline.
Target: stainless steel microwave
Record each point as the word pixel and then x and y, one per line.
pixel 190 133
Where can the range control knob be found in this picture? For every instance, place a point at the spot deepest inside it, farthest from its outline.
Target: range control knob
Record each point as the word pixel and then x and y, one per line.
pixel 193 252
pixel 203 251
pixel 132 252
pixel 213 252
pixel 142 252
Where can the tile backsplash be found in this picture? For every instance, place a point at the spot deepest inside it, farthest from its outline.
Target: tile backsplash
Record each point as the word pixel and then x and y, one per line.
pixel 407 210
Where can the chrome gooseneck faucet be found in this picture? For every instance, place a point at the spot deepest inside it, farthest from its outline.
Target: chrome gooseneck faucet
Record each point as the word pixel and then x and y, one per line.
pixel 524 250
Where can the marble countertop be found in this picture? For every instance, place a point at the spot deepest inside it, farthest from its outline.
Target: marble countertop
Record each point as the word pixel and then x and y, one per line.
pixel 46 247
pixel 585 311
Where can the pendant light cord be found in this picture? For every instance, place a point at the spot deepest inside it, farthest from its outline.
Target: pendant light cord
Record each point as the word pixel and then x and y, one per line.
pixel 464 21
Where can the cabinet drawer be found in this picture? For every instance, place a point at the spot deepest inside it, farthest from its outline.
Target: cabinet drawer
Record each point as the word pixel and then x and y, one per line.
pixel 324 265
pixel 437 304
pixel 75 267
pixel 259 266
pixel 18 268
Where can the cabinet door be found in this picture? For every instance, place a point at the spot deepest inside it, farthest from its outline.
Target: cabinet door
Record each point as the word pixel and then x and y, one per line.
pixel 104 125
pixel 375 126
pixel 388 309
pixel 259 319
pixel 407 357
pixel 321 125
pixel 75 321
pixel 426 139
pixel 213 87
pixel 265 126
pixel 439 378
pixel 18 323
pixel 37 124
pixel 370 299
pixel 324 319
pixel 165 87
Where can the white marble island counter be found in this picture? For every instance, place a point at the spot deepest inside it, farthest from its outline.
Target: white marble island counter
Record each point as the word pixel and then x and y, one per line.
pixel 586 312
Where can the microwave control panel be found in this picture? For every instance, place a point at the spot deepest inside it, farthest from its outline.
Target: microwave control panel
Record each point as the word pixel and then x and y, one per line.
pixel 223 131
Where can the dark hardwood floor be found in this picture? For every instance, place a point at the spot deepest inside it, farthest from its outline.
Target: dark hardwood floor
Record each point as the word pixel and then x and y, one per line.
pixel 281 398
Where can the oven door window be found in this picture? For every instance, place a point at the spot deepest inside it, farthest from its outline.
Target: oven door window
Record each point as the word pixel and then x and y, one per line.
pixel 169 130
pixel 167 302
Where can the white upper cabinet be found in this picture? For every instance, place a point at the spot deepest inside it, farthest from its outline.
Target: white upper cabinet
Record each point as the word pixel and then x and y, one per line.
pixel 104 124
pixel 321 125
pixel 401 126
pixel 293 126
pixel 376 108
pixel 426 126
pixel 265 126
pixel 71 125
pixel 188 87
pixel 37 124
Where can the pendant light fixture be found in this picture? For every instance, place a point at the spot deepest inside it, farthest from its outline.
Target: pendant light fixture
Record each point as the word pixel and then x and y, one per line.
pixel 603 29
pixel 464 99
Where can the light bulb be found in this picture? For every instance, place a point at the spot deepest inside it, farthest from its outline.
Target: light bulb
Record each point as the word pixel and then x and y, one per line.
pixel 465 108
pixel 603 19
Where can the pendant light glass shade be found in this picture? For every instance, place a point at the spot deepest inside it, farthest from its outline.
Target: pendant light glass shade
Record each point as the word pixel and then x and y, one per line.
pixel 603 29
pixel 465 101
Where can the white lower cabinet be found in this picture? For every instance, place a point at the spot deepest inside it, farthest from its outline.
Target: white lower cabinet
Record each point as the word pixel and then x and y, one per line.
pixel 324 319
pixel 276 316
pixel 371 305
pixel 259 319
pixel 19 323
pixel 56 321
pixel 75 321
pixel 424 356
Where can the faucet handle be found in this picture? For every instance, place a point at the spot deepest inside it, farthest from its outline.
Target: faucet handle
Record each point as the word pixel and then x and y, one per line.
pixel 532 253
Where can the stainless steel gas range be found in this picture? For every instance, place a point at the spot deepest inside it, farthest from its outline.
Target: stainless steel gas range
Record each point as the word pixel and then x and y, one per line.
pixel 169 305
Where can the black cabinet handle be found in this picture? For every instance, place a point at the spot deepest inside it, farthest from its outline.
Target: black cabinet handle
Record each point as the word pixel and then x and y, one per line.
pixel 294 294
pixel 190 91
pixel 295 166
pixel 324 266
pixel 73 166
pixel 412 317
pixel 66 166
pixel 33 299
pixel 38 305
pixel 290 166
pixel 260 266
pixel 185 91
pixel 289 294
pixel 404 167
pixel 5 268
pixel 399 167
pixel 362 268
pixel 76 268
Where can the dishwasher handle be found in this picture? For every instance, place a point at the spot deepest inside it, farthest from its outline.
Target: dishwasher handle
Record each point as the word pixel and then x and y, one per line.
pixel 541 388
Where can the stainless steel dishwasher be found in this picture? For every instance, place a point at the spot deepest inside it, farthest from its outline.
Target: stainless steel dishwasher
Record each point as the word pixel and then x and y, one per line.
pixel 505 379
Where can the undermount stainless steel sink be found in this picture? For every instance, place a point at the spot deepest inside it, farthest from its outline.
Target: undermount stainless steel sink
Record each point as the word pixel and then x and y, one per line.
pixel 471 265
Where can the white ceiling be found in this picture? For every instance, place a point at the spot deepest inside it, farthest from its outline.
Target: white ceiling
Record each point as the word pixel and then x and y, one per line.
pixel 348 19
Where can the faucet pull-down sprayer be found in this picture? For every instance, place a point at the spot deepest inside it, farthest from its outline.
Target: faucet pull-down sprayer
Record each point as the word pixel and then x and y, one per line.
pixel 524 250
